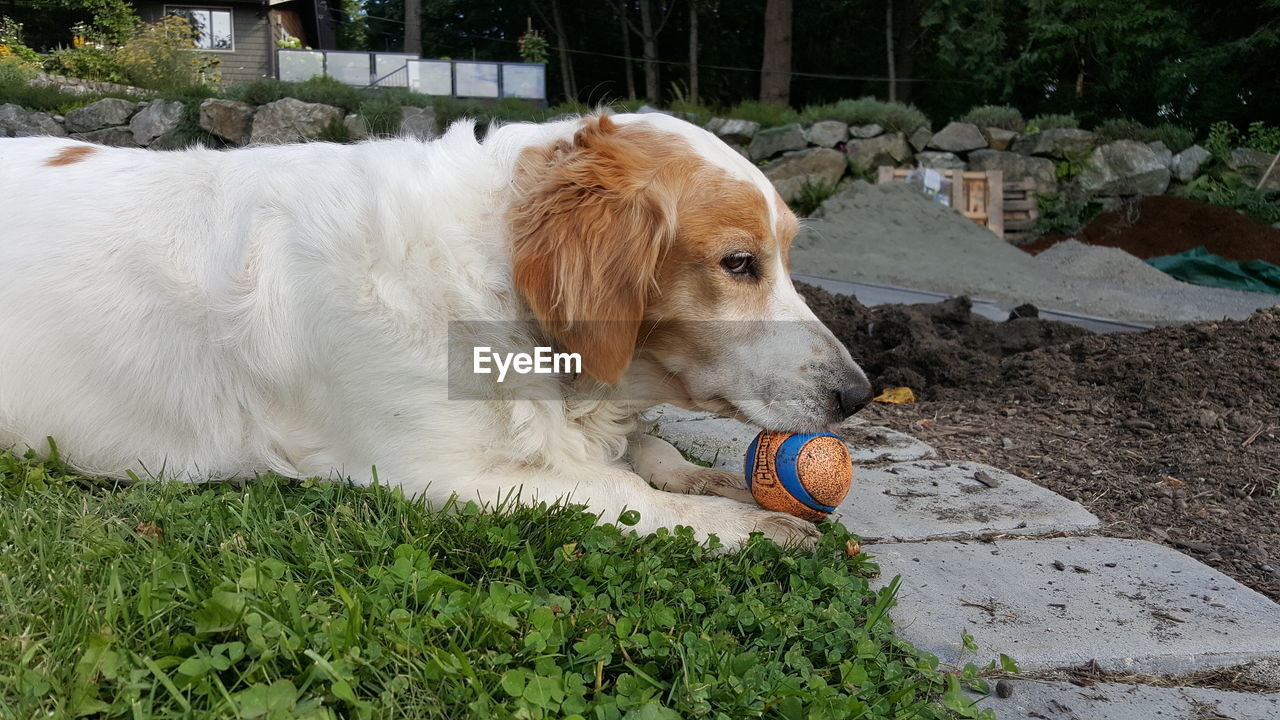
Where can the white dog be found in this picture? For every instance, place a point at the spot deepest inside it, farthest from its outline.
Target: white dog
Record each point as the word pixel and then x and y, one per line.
pixel 204 314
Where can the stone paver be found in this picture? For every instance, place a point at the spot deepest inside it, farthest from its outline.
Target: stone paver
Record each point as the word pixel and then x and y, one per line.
pixel 935 500
pixel 1129 604
pixel 723 442
pixel 1115 701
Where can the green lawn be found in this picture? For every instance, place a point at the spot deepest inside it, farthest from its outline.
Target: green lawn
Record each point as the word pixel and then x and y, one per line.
pixel 280 599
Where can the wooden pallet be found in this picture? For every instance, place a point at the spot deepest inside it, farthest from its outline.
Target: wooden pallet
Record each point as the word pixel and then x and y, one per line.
pixel 1006 209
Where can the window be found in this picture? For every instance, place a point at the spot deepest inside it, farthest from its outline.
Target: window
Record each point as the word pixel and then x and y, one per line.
pixel 212 24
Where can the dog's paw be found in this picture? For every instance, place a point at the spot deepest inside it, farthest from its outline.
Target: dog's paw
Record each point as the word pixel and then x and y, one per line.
pixel 707 481
pixel 786 530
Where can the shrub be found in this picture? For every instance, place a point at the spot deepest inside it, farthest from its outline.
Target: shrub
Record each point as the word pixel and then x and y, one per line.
pixel 87 62
pixel 997 116
pixel 1122 129
pixel 1263 137
pixel 1174 137
pixel 381 116
pixel 694 113
pixel 811 196
pixel 1230 191
pixel 1061 215
pixel 1052 122
pixel 162 56
pixel 14 72
pixel 893 117
pixel 11 45
pixel 767 114
pixel 1223 138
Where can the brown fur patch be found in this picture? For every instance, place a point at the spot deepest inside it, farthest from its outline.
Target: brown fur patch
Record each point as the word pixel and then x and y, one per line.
pixel 70 155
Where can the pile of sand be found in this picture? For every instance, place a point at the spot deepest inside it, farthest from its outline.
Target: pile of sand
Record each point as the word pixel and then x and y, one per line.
pixel 894 235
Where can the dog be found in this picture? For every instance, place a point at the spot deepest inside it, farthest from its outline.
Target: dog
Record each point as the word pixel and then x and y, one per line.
pixel 204 314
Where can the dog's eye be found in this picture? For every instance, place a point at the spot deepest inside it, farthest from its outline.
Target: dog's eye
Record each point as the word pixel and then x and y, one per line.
pixel 739 263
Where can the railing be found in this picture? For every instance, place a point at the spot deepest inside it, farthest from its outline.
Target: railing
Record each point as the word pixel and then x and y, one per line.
pixel 459 78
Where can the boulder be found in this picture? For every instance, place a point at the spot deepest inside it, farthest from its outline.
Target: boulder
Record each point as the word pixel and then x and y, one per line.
pixel 865 131
pixel 230 120
pixel 156 118
pixel 1251 164
pixel 16 121
pixel 1061 143
pixel 646 109
pixel 1186 164
pixel 733 130
pixel 105 113
pixel 958 137
pixel 291 120
pixel 827 133
pixel 418 122
pixel 1017 168
pixel 867 155
pixel 1124 167
pixel 920 137
pixel 120 136
pixel 776 140
pixel 815 166
pixel 357 128
pixel 1162 152
pixel 999 138
pixel 936 160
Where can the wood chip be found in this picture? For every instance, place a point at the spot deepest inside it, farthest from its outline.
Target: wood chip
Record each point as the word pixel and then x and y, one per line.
pixel 985 478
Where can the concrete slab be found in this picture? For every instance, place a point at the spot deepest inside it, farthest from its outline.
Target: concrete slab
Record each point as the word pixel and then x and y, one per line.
pixel 1129 604
pixel 1115 701
pixel 672 413
pixel 932 500
pixel 723 441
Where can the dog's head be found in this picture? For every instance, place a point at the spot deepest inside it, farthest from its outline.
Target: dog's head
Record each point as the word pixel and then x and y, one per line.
pixel 660 255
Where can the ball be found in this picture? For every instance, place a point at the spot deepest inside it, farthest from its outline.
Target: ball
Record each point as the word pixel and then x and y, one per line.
pixel 804 475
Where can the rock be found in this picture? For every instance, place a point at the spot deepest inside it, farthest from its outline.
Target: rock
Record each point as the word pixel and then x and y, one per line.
pixel 1186 164
pixel 815 166
pixel 1251 164
pixel 645 109
pixel 418 122
pixel 156 118
pixel 1133 605
pixel 958 137
pixel 1162 151
pixel 773 141
pixel 999 138
pixel 920 137
pixel 230 120
pixel 826 133
pixel 1017 168
pixel 291 120
pixel 866 155
pixel 939 160
pixel 865 131
pixel 1124 167
pixel 1108 701
pixel 1061 143
pixel 356 126
pixel 733 130
pixel 15 121
pixel 120 136
pixel 105 113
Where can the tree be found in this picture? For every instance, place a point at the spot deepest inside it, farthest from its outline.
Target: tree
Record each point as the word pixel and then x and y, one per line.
pixel 649 30
pixel 556 21
pixel 413 26
pixel 693 51
pixel 775 70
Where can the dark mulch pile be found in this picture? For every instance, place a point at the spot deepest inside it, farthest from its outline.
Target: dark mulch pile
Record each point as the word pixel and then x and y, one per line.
pixel 1163 225
pixel 1170 435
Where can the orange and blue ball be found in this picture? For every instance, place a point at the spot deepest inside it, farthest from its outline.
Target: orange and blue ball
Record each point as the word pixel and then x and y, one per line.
pixel 806 475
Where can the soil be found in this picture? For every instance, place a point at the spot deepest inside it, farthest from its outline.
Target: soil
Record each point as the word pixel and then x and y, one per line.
pixel 1170 435
pixel 1164 225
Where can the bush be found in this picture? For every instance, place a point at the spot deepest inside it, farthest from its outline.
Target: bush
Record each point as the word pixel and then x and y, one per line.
pixel 1060 215
pixel 1052 122
pixel 1230 191
pixel 381 116
pixel 893 117
pixel 162 56
pixel 997 116
pixel 1263 137
pixel 11 45
pixel 1175 138
pixel 811 196
pixel 87 62
pixel 767 114
pixel 14 72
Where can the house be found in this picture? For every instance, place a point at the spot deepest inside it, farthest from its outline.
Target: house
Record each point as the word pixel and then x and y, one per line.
pixel 244 35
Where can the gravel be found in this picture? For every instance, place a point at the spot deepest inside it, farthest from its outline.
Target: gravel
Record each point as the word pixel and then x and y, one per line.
pixel 894 235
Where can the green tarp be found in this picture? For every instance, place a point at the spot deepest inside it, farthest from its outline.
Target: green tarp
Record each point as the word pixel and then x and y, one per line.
pixel 1201 267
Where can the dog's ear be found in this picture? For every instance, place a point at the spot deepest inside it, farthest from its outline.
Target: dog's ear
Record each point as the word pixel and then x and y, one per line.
pixel 588 234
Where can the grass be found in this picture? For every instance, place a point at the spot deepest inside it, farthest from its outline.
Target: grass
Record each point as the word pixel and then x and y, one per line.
pixel 316 600
pixel 893 117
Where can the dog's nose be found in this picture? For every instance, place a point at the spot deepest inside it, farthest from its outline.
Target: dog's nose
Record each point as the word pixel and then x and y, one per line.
pixel 853 397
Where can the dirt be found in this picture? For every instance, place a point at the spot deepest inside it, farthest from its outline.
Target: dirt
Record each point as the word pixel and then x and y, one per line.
pixel 1170 435
pixel 1164 225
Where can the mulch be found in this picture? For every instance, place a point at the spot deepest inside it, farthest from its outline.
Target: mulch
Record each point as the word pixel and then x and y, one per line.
pixel 1164 225
pixel 1170 435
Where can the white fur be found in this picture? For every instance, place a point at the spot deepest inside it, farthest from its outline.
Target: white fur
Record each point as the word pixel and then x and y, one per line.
pixel 205 314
